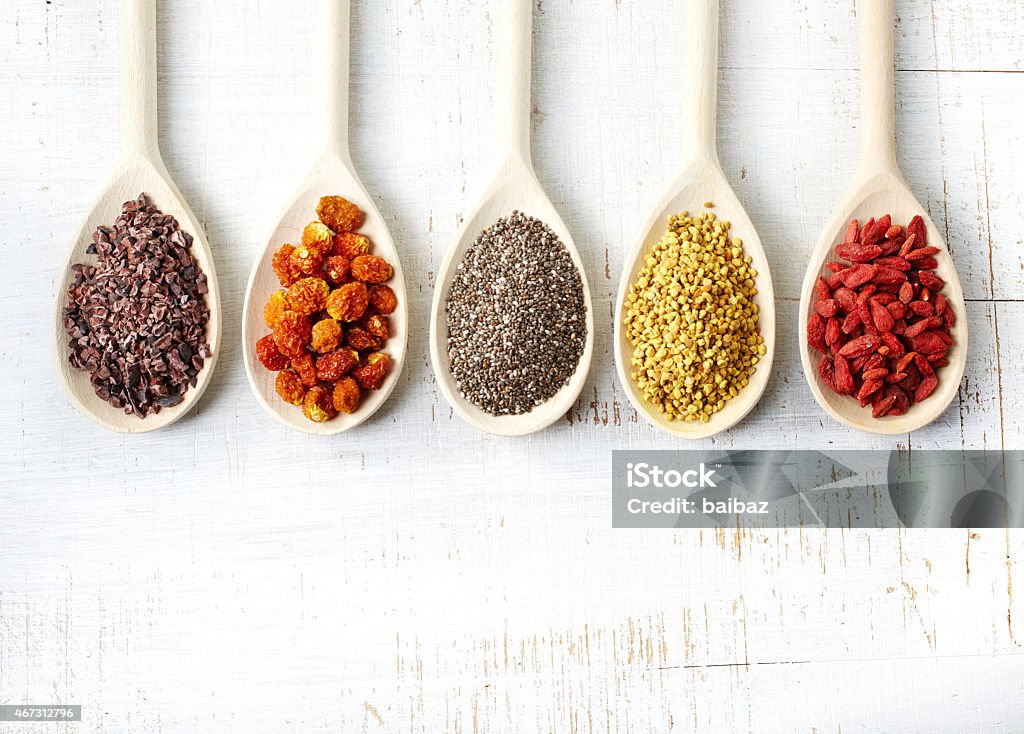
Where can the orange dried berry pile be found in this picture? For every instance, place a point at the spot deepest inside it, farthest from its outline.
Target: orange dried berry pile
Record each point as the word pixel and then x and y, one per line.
pixel 331 319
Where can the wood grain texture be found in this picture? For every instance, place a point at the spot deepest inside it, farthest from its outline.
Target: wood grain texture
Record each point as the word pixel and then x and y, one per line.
pixel 415 574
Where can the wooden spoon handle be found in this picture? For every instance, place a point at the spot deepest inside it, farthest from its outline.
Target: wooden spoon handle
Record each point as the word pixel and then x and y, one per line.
pixel 333 74
pixel 516 49
pixel 877 87
pixel 700 81
pixel 139 128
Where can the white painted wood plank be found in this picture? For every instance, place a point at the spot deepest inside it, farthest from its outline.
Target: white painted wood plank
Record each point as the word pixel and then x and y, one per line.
pixel 596 630
pixel 939 34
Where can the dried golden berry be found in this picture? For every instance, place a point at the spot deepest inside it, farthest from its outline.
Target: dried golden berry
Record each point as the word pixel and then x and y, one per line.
pixel 305 368
pixel 309 295
pixel 307 261
pixel 377 325
pixel 361 340
pixel 276 305
pixel 286 272
pixel 317 236
pixel 371 269
pixel 318 405
pixel 346 396
pixel 370 374
pixel 349 302
pixel 351 245
pixel 339 214
pixel 383 299
pixel 332 367
pixel 269 355
pixel 292 333
pixel 339 269
pixel 326 336
pixel 290 387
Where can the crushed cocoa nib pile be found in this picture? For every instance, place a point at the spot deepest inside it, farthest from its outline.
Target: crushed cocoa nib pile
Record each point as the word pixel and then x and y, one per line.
pixel 136 319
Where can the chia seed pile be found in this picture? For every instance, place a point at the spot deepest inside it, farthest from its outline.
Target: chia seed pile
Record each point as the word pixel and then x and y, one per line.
pixel 516 317
pixel 136 319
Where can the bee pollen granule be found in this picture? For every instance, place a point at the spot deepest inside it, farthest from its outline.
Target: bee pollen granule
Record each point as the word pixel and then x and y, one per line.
pixel 692 320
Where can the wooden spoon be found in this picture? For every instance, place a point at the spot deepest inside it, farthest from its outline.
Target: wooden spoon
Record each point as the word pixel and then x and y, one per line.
pixel 515 187
pixel 140 170
pixel 332 174
pixel 700 180
pixel 877 189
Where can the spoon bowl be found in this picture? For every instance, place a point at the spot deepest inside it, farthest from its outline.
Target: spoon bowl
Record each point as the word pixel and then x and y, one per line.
pixel 700 181
pixel 878 188
pixel 515 188
pixel 333 174
pixel 884 192
pixel 141 171
pixel 696 185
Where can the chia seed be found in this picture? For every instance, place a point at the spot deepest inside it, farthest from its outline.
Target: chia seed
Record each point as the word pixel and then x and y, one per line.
pixel 516 316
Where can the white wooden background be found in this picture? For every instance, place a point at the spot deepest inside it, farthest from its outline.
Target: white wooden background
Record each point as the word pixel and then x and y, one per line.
pixel 416 575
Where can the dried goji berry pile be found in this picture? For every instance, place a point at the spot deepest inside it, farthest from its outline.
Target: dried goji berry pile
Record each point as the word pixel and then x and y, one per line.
pixel 330 321
pixel 880 321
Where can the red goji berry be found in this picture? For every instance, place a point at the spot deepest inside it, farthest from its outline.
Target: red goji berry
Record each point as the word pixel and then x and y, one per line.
pixel 833 334
pixel 922 252
pixel 930 280
pixel 828 308
pixel 869 387
pixel 866 230
pixel 888 275
pixel 860 346
pixel 827 372
pixel 843 377
pixel 846 299
pixel 896 348
pixel 908 244
pixel 898 309
pixel 881 317
pixel 929 343
pixel 896 263
pixel 852 231
pixel 916 228
pixel 883 406
pixel 878 373
pixel 858 253
pixel 858 275
pixel 816 332
pixel 926 388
